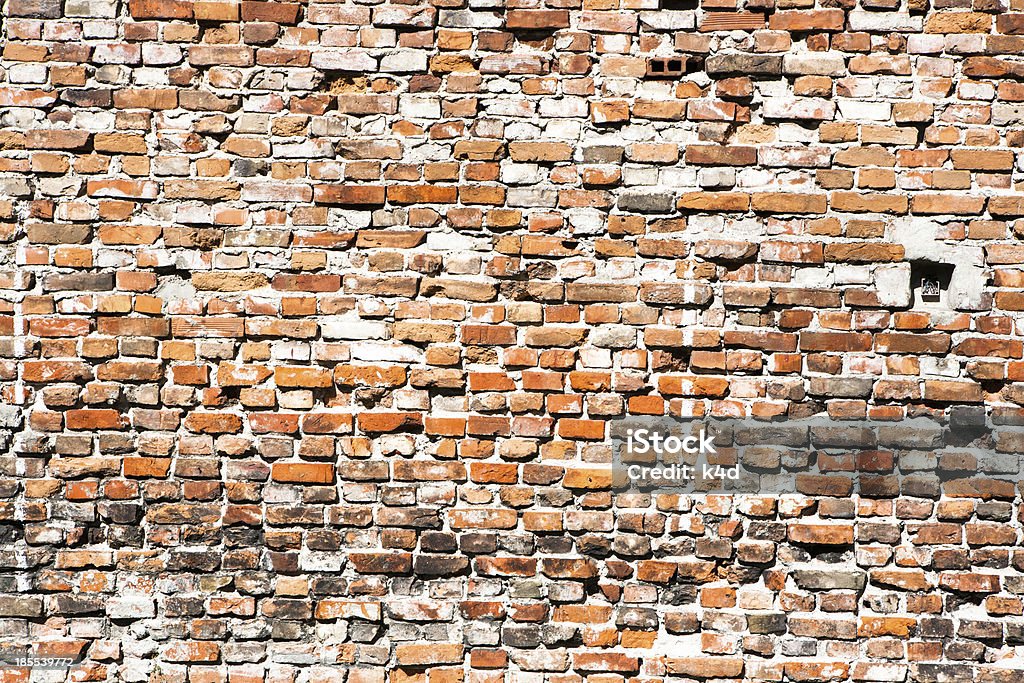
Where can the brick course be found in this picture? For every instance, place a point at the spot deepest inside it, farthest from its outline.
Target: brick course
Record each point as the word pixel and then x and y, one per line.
pixel 314 316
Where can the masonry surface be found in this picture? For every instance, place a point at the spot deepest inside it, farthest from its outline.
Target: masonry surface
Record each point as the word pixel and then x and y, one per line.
pixel 314 319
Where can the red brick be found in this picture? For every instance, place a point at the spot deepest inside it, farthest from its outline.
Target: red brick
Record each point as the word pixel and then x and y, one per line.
pixel 303 472
pixel 349 195
pixel 95 418
pixel 421 194
pixel 213 423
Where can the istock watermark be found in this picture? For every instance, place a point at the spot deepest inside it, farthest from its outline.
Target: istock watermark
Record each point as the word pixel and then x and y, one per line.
pixel 643 440
pixel 640 442
pixel 963 452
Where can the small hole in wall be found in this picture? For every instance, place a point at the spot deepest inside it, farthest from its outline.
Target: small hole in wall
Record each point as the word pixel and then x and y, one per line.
pixel 930 282
pixel 664 67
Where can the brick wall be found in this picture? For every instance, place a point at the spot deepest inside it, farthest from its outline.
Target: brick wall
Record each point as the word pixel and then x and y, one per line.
pixel 314 318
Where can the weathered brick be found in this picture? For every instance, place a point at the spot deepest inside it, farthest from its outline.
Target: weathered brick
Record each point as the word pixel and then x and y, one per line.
pixel 303 473
pixel 349 195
